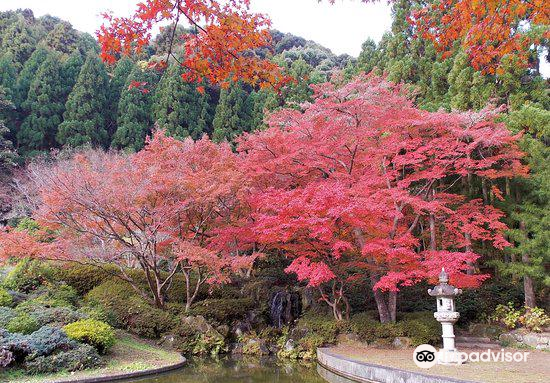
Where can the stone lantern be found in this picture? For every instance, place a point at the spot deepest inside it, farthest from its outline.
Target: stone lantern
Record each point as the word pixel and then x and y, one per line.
pixel 447 316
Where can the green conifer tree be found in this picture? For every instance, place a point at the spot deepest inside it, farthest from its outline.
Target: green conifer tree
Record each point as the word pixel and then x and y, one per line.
pixel 8 154
pixel 134 110
pixel 45 103
pixel 178 106
pixel 71 69
pixel 116 85
pixel 18 39
pixel 28 73
pixel 234 114
pixel 84 118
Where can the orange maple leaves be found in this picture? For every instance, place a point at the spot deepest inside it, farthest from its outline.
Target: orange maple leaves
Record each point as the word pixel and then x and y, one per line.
pixel 488 30
pixel 222 48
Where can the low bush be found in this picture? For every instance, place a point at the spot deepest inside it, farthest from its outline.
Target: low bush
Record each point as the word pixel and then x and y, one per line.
pixel 42 342
pixel 5 298
pixel 420 327
pixel 28 275
pixel 6 315
pixel 313 330
pixel 22 324
pixel 83 278
pixel 223 310
pixel 97 313
pixel 93 332
pixel 129 311
pixel 533 319
pixel 56 316
pixel 82 357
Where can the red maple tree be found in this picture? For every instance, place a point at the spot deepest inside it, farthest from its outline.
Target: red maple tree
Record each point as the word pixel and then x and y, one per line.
pixel 156 210
pixel 362 183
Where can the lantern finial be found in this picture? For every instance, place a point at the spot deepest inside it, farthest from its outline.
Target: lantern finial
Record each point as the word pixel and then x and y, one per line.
pixel 443 277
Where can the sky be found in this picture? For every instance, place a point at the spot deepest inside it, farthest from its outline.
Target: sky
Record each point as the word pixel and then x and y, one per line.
pixel 342 27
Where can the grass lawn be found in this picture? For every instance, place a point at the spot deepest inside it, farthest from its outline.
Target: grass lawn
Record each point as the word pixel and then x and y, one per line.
pixel 129 354
pixel 535 370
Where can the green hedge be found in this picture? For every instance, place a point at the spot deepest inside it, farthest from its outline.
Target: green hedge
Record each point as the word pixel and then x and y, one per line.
pixel 93 332
pixel 223 310
pixel 126 310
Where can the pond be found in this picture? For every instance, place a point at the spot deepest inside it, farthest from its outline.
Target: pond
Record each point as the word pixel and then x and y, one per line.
pixel 245 370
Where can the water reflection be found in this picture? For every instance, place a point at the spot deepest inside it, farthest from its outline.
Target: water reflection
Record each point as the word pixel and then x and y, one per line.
pixel 242 370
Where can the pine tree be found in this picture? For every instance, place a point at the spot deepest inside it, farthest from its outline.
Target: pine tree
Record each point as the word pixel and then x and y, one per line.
pixel 45 105
pixel 28 73
pixel 63 38
pixel 7 152
pixel 118 80
pixel 8 77
pixel 134 110
pixel 178 106
pixel 234 114
pixel 19 40
pixel 71 69
pixel 8 74
pixel 84 118
pixel 529 203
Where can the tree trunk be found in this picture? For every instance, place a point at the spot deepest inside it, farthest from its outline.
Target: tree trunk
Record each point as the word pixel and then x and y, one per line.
pixel 529 292
pixel 528 287
pixel 392 305
pixel 383 311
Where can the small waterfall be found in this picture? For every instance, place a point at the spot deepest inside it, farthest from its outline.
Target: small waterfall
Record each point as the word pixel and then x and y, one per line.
pixel 284 308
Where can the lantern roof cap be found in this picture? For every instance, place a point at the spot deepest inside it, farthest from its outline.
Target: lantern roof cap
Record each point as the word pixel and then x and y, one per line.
pixel 443 289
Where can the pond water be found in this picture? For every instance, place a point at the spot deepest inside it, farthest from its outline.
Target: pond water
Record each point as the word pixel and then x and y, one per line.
pixel 241 371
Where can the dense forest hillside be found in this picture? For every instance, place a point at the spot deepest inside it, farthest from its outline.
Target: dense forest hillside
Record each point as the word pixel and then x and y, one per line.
pixel 56 92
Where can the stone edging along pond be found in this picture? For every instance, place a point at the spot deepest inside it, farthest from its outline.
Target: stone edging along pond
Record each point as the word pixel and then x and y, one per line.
pixel 130 375
pixel 373 373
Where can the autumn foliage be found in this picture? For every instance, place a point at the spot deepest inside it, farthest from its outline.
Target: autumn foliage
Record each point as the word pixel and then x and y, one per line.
pixel 221 49
pixel 156 210
pixel 488 30
pixel 362 183
pixel 357 186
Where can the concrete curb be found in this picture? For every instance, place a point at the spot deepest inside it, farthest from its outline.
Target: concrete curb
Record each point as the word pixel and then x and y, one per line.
pixel 130 375
pixel 373 373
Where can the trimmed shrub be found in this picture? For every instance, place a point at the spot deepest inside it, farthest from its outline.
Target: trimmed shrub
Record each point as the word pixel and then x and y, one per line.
pixel 42 342
pixel 129 311
pixel 56 316
pixel 6 315
pixel 82 357
pixel 28 275
pixel 83 278
pixel 223 310
pixel 97 313
pixel 420 327
pixel 23 324
pixel 93 332
pixel 5 298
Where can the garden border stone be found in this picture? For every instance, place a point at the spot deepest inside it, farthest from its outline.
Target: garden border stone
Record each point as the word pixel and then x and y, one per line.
pixel 373 373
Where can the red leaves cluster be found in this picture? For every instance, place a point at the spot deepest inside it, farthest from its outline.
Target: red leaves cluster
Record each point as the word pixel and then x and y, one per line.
pixel 222 48
pixel 351 184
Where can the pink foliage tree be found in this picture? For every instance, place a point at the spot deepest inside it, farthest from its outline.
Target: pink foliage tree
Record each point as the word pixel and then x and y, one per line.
pixel 361 182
